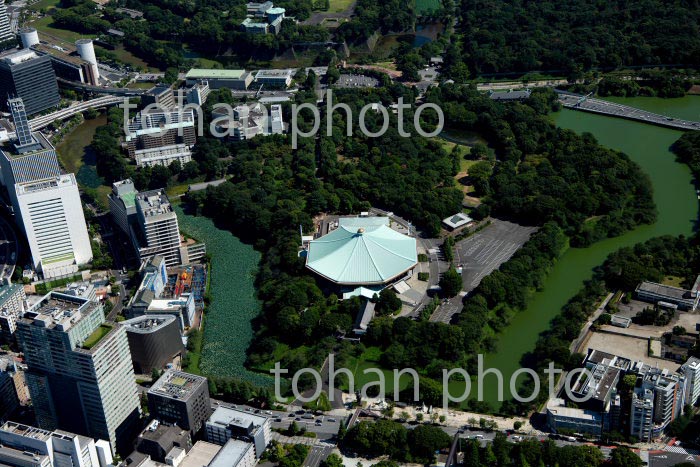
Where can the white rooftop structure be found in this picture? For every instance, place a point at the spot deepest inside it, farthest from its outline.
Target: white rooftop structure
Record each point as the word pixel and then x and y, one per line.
pixel 362 251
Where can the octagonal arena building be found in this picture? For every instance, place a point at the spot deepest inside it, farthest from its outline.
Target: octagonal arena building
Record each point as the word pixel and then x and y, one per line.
pixel 362 251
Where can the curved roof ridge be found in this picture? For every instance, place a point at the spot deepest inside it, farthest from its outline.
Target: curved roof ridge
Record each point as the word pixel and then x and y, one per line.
pixel 375 242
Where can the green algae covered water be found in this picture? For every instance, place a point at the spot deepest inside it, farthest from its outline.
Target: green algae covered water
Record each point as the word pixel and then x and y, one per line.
pixel 228 329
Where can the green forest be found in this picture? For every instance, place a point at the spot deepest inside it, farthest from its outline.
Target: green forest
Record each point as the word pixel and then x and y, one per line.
pixel 504 36
pixel 273 190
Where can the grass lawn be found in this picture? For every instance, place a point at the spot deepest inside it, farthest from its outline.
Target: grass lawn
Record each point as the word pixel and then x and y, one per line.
pixel 464 164
pixel 44 25
pixel 44 4
pixel 176 191
pixel 674 281
pixel 96 336
pixel 127 57
pixel 207 62
pixel 370 359
pixel 424 6
pixel 140 85
pixel 338 6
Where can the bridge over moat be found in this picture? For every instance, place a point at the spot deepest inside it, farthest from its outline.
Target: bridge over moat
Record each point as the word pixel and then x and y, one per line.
pixel 599 106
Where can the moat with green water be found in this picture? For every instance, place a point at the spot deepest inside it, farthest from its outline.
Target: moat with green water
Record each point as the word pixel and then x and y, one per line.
pixel 676 202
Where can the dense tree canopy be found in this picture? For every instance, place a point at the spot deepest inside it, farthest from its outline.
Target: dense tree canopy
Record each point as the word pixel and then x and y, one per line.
pixel 520 36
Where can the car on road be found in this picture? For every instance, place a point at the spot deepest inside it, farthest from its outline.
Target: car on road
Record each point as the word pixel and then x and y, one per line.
pixel 278 420
pixel 332 420
pixel 308 416
pixel 290 415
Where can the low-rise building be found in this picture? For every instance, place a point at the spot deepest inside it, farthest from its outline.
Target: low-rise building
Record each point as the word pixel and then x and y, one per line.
pixel 163 155
pixel 276 79
pixel 456 221
pixel 154 341
pixel 228 423
pixel 216 78
pixel 235 453
pixel 561 418
pixel 180 398
pixel 668 295
pixel 249 120
pixel 46 448
pixel 157 440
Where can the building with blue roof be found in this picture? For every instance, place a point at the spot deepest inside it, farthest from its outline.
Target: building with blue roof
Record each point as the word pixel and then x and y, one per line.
pixel 362 251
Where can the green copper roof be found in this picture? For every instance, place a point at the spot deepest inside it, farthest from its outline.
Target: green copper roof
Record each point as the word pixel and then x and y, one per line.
pixel 362 250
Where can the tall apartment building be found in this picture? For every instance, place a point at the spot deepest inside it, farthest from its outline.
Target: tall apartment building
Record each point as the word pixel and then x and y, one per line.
pixel 226 423
pixel 9 379
pixel 7 37
pixel 150 131
pixel 46 203
pixel 159 232
pixel 27 75
pixel 11 308
pixel 180 398
pixel 691 371
pixel 79 370
pixel 122 204
pixel 48 448
pixel 641 414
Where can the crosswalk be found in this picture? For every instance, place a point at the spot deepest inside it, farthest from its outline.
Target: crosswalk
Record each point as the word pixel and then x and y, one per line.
pixel 682 450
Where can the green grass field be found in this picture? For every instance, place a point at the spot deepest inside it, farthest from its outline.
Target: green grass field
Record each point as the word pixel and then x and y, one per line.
pixel 127 57
pixel 424 6
pixel 338 6
pixel 48 4
pixel 44 25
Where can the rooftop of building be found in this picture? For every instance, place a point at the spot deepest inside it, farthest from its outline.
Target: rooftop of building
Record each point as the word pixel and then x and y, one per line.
pixel 670 291
pixel 362 250
pixel 153 203
pixel 274 73
pixel 7 291
pixel 61 54
pixel 558 407
pixel 177 384
pixel 201 454
pixel 226 416
pixel 40 143
pixel 26 431
pixel 211 73
pixel 162 434
pixel 231 453
pixel 57 309
pixel 147 323
pixel 16 56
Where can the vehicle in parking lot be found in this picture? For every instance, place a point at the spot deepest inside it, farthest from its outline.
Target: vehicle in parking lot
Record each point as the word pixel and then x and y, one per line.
pixel 278 419
pixel 290 415
pixel 332 420
pixel 308 416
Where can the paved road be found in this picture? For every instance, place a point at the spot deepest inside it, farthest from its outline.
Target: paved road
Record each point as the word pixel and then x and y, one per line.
pixel 9 249
pixel 318 454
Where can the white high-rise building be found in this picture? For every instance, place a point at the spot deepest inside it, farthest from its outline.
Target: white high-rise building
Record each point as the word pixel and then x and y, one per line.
pixel 691 370
pixel 158 227
pixel 51 215
pixel 46 203
pixel 6 33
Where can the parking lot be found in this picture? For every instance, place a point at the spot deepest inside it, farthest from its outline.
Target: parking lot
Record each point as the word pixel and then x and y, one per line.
pixel 485 251
pixel 479 255
pixel 356 81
